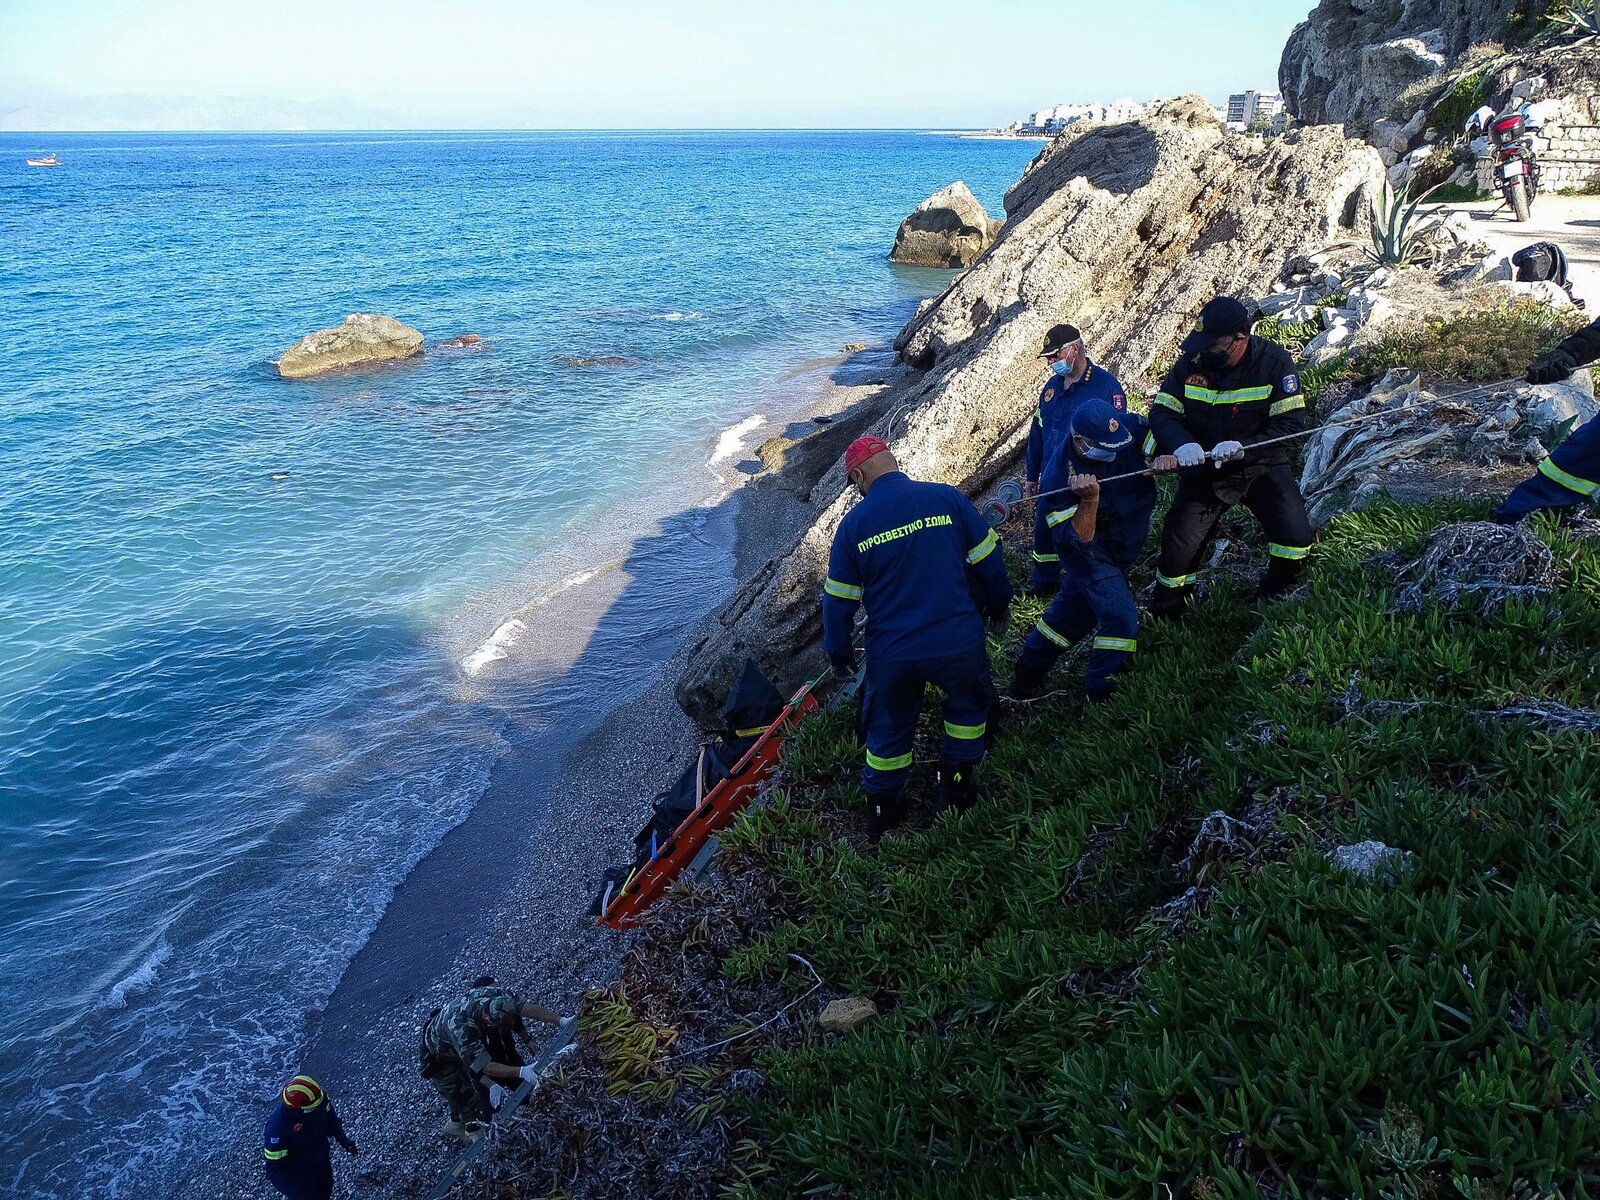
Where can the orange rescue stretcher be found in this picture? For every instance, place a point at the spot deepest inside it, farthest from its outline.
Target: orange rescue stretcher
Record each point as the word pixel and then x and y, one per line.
pixel 714 812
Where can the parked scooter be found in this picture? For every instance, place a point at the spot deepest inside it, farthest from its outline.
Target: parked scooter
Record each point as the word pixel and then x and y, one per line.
pixel 1515 164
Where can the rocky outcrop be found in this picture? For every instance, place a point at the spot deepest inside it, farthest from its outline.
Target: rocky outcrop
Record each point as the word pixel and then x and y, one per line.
pixel 1350 60
pixel 948 229
pixel 1125 230
pixel 361 341
pixel 1460 441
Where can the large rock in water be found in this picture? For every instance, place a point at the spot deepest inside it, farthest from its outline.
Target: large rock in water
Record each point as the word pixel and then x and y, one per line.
pixel 948 229
pixel 1351 59
pixel 363 339
pixel 1126 230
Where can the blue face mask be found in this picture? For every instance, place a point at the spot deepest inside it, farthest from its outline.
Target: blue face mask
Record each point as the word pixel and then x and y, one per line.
pixel 1095 453
pixel 1060 368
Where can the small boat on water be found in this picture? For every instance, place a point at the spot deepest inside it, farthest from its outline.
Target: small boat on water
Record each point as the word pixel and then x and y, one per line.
pixel 49 160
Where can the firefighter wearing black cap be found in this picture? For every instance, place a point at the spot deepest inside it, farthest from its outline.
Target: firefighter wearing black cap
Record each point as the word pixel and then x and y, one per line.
pixel 1073 382
pixel 1229 391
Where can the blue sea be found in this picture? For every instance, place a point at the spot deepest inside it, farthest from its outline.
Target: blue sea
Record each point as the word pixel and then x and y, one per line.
pixel 253 629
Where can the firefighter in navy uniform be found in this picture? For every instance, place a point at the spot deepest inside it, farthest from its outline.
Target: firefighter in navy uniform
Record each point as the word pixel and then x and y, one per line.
pixel 296 1139
pixel 1571 475
pixel 1229 391
pixel 1073 382
pixel 1100 533
pixel 929 572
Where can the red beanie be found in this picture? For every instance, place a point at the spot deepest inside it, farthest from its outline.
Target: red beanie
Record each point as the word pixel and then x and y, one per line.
pixel 862 449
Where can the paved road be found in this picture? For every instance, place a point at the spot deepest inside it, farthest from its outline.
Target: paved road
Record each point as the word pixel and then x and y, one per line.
pixel 1572 222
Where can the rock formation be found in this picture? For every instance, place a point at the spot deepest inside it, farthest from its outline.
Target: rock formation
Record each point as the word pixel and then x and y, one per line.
pixel 1464 441
pixel 1351 59
pixel 948 229
pixel 1125 230
pixel 362 340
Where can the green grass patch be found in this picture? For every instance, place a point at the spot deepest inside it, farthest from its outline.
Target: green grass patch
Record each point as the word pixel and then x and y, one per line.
pixel 1485 339
pixel 1074 1007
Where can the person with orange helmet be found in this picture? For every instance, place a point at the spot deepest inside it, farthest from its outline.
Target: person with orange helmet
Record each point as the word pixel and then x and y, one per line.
pixel 299 1162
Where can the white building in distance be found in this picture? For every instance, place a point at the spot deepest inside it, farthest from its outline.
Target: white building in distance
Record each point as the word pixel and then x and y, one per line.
pixel 1246 108
pixel 1051 121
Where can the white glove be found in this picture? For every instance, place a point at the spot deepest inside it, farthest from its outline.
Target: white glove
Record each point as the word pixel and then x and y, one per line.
pixel 529 1072
pixel 1226 451
pixel 497 1095
pixel 1189 454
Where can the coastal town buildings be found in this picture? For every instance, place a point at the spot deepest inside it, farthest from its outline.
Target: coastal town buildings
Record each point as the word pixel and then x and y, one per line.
pixel 1247 108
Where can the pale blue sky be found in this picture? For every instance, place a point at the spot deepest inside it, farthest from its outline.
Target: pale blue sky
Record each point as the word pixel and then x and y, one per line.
pixel 611 63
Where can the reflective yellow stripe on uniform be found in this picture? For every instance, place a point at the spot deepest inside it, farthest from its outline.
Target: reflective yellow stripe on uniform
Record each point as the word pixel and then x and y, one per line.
pixel 1177 581
pixel 1249 395
pixel 841 591
pixel 966 733
pixel 1169 401
pixel 898 763
pixel 1055 518
pixel 1574 483
pixel 1289 405
pixel 983 549
pixel 1293 552
pixel 1045 558
pixel 749 733
pixel 1149 445
pixel 1052 635
pixel 1114 643
pixel 275 1155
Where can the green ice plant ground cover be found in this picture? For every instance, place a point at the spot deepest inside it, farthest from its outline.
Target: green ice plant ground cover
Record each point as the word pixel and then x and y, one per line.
pixel 1083 998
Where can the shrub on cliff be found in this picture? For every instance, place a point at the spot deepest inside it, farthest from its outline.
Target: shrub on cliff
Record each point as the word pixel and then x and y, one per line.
pixel 1490 337
pixel 1137 969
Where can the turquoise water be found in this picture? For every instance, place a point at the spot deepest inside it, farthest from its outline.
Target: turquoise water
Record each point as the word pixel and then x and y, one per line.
pixel 250 625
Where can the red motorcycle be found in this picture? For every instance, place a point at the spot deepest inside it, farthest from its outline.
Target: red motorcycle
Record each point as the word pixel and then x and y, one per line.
pixel 1516 167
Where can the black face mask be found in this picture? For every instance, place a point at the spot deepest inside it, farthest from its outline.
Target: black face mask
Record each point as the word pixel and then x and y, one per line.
pixel 1214 360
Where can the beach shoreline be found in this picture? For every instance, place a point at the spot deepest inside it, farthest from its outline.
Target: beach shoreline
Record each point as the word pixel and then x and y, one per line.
pixel 504 892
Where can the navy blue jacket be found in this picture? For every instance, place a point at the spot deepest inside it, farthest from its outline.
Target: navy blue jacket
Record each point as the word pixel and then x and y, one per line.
pixel 1122 522
pixel 296 1144
pixel 1052 421
pixel 925 564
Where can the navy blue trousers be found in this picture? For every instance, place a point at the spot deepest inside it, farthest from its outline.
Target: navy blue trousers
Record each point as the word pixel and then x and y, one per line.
pixel 1046 558
pixel 1571 475
pixel 1094 598
pixel 303 1181
pixel 894 696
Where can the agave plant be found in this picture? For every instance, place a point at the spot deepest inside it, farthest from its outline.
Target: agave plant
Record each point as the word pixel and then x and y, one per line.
pixel 1574 18
pixel 1397 237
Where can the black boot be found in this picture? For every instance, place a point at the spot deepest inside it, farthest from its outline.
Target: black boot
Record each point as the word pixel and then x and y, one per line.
pixel 1169 603
pixel 1027 681
pixel 884 812
pixel 1283 574
pixel 958 786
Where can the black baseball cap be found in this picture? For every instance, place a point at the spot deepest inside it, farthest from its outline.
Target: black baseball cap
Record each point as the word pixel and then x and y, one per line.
pixel 1057 337
pixel 1222 317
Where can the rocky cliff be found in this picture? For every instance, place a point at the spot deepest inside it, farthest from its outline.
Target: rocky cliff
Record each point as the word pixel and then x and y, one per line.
pixel 1350 60
pixel 1125 230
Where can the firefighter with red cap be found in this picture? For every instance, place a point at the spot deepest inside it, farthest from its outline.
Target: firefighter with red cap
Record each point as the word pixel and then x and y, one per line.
pixel 1229 391
pixel 298 1160
pixel 929 571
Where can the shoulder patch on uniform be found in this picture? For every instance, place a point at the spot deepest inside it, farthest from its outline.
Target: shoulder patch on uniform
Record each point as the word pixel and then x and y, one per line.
pixel 1198 381
pixel 1291 384
pixel 1118 400
pixel 298 1128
